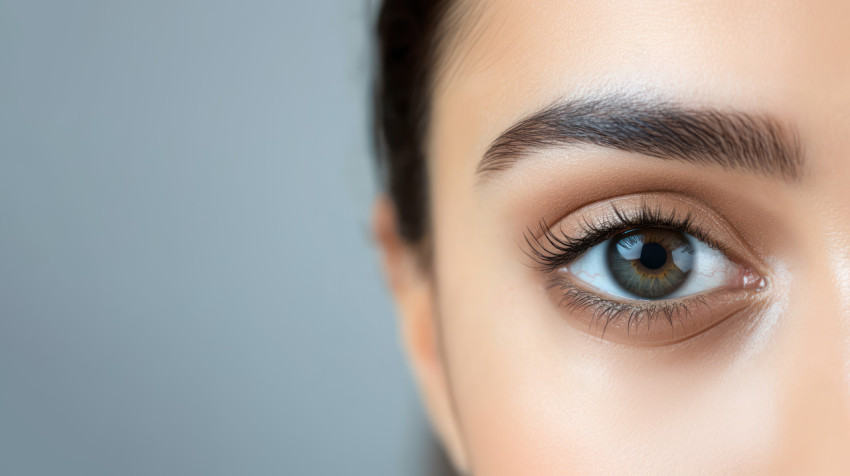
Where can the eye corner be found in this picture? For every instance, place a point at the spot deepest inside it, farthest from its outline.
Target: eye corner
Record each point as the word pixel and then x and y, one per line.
pixel 751 279
pixel 550 249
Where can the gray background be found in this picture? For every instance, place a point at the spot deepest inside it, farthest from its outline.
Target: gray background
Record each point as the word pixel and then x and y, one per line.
pixel 187 284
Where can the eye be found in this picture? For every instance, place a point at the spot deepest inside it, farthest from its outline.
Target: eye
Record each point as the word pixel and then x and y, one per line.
pixel 653 264
pixel 638 270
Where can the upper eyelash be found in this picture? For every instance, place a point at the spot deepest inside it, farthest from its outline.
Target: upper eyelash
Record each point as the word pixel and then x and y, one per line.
pixel 552 249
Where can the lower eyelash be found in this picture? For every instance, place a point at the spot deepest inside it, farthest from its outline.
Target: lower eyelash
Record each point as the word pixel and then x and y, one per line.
pixel 605 311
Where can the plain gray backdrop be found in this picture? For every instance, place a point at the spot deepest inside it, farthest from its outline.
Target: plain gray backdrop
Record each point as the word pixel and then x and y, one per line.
pixel 187 282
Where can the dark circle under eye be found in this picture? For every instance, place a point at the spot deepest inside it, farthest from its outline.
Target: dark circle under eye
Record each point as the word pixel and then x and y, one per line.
pixel 650 263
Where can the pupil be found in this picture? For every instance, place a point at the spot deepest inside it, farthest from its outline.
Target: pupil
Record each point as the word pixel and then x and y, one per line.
pixel 653 256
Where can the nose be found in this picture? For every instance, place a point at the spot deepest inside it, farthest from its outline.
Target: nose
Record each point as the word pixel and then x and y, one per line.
pixel 814 345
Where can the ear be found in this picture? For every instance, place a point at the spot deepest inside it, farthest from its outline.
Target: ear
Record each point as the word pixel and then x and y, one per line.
pixel 412 287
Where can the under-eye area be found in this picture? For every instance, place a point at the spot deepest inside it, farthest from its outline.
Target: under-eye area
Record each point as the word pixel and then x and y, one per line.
pixel 647 270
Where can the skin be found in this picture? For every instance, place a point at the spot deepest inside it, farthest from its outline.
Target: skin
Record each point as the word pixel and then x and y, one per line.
pixel 517 384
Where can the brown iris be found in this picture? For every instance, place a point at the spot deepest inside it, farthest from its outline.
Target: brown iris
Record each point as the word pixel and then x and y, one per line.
pixel 650 263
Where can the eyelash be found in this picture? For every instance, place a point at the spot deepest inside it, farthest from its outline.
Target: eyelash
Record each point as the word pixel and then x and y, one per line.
pixel 552 249
pixel 604 311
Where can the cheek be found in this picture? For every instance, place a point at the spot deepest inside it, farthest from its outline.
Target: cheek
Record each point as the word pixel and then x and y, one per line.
pixel 534 395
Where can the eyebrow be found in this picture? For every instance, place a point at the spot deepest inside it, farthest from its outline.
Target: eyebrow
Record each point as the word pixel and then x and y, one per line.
pixel 754 143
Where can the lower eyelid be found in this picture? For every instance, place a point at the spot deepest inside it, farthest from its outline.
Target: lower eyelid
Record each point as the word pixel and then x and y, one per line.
pixel 648 323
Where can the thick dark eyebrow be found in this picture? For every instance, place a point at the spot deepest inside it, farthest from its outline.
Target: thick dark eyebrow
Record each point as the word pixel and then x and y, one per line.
pixel 757 144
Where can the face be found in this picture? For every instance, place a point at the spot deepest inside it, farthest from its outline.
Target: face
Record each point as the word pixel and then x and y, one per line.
pixel 640 230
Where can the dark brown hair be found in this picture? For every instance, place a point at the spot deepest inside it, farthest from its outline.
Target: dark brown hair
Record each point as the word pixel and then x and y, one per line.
pixel 407 34
pixel 407 37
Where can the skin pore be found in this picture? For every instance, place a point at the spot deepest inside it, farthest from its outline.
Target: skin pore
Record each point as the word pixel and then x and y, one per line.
pixel 519 377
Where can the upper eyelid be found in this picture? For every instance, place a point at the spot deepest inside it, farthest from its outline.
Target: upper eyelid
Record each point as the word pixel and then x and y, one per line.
pixel 567 248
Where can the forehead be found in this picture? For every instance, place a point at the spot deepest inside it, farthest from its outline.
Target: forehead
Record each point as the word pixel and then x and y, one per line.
pixel 504 59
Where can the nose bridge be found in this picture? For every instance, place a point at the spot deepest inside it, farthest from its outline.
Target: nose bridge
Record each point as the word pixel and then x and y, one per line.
pixel 838 257
pixel 834 260
pixel 815 348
